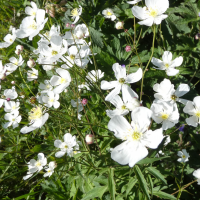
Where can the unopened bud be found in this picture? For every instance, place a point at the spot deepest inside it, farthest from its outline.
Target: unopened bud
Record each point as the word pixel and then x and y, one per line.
pixel 31 63
pixel 68 25
pixel 89 139
pixel 84 101
pixel 119 25
pixel 73 26
pixel 128 48
pixel 197 36
pixel 8 99
pixel 13 82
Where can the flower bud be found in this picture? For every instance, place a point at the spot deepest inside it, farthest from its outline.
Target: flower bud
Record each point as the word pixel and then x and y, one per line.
pixel 73 26
pixel 13 82
pixel 8 99
pixel 197 36
pixel 124 66
pixel 119 25
pixel 89 139
pixel 31 63
pixel 84 101
pixel 128 48
pixel 68 25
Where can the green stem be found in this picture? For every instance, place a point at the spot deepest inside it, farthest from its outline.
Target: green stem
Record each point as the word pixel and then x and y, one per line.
pixel 154 34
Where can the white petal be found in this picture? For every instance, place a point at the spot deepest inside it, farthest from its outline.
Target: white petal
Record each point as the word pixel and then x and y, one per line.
pixel 134 77
pixel 167 57
pixel 172 72
pixel 153 138
pixel 177 62
pixel 147 22
pixel 139 12
pixel 113 93
pixel 105 85
pixel 158 19
pixel 58 143
pixel 192 121
pixel 182 89
pixel 158 63
pixel 59 154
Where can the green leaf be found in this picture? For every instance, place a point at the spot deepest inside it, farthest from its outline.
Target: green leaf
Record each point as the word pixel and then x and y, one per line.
pixel 163 195
pixel 150 160
pixel 142 181
pixel 95 192
pixel 26 195
pixel 111 183
pixel 131 184
pixel 157 174
pixel 96 37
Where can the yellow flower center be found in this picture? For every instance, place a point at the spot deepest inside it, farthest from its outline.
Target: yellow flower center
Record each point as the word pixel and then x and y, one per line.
pixel 48 86
pixel 174 97
pixel 75 152
pixel 123 107
pixel 198 114
pixel 62 80
pixel 33 74
pixel 136 135
pixel 122 80
pixel 72 57
pixel 66 147
pixel 33 26
pixel 74 12
pixel 13 120
pixel 49 171
pixel 14 107
pixel 109 13
pixel 153 13
pixel 33 13
pixel 11 40
pixel 164 116
pixel 16 62
pixel 54 53
pixel 183 156
pixel 35 113
pixel 38 164
pixel 51 100
pixel 166 65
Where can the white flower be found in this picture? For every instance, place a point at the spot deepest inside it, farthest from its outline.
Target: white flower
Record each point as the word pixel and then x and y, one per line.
pixel 119 25
pixel 193 108
pixel 94 76
pixel 62 81
pixel 66 146
pixel 48 34
pixel 133 2
pixel 122 107
pixel 50 169
pixel 19 49
pixel 153 13
pixel 165 113
pixel 2 71
pixel 51 100
pixel 136 137
pixel 14 119
pixel 196 174
pixel 9 94
pixel 76 56
pixel 31 11
pixel 167 140
pixel 31 27
pixel 11 106
pixel 184 156
pixel 168 64
pixel 46 86
pixel 32 74
pixel 83 86
pixel 13 65
pixel 35 165
pixel 81 31
pixel 77 104
pixel 76 13
pixel 166 92
pixel 50 54
pixel 108 13
pixel 31 63
pixel 9 39
pixel 37 119
pixel 120 84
